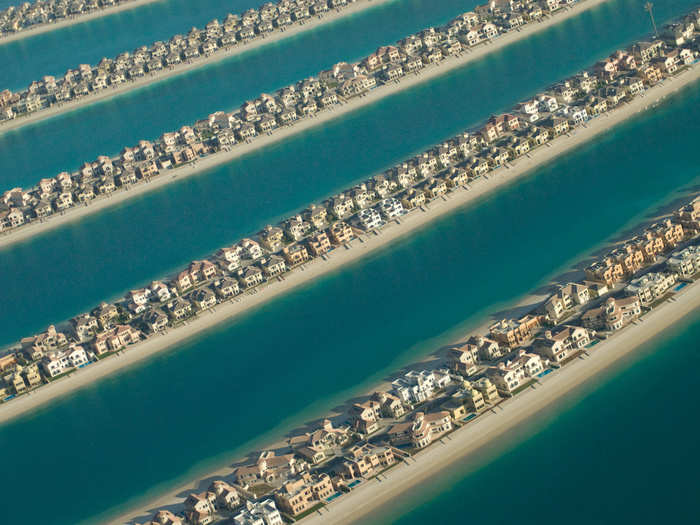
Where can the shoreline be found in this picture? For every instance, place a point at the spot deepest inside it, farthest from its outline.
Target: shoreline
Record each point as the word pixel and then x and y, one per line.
pixel 185 67
pixel 102 202
pixel 62 24
pixel 335 260
pixel 472 437
pixel 565 380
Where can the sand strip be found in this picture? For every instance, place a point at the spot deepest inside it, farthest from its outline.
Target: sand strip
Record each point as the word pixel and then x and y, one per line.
pixel 45 28
pixel 340 256
pixel 368 496
pixel 167 176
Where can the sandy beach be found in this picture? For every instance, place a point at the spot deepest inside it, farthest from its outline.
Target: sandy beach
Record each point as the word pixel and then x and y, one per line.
pixel 168 176
pixel 368 496
pixel 195 63
pixel 339 257
pixel 489 426
pixel 45 28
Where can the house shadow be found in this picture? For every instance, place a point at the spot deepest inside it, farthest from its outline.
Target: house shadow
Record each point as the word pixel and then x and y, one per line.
pixel 437 358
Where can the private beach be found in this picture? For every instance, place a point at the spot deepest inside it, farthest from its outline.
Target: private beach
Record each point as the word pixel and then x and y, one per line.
pixel 371 495
pixel 358 248
pixel 45 28
pixel 484 430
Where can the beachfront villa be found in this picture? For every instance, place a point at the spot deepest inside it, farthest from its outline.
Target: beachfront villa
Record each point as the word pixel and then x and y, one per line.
pixel 686 262
pixel 260 513
pixel 565 341
pixel 488 390
pixel 416 387
pixel 462 359
pixel 613 315
pixel 57 362
pixel 509 375
pixel 511 332
pixel 566 298
pixel 301 494
pixel 269 467
pixel 363 461
pixel 651 286
pixel 422 430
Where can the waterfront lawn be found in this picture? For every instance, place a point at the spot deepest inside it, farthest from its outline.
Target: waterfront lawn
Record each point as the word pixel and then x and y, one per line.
pixel 571 358
pixel 522 387
pixel 261 489
pixel 308 512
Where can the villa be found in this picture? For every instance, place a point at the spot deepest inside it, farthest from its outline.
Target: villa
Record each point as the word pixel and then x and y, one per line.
pixel 512 333
pixel 260 513
pixel 509 375
pixel 422 430
pixel 566 298
pixel 299 495
pixel 366 460
pixel 650 286
pixel 473 399
pixel 462 360
pixel 268 468
pixel 686 262
pixel 613 315
pixel 56 362
pixel 488 390
pixel 562 342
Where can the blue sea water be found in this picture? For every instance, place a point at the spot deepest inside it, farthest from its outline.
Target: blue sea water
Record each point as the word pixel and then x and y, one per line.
pixel 73 268
pixel 146 113
pixel 54 52
pixel 136 434
pixel 621 450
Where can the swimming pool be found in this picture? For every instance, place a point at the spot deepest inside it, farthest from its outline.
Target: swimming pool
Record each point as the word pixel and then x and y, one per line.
pixel 542 374
pixel 354 483
pixel 331 498
pixel 680 287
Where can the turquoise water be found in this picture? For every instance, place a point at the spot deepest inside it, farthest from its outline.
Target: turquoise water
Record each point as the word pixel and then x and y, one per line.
pixel 136 434
pixel 106 127
pixel 54 52
pixel 626 452
pixel 74 268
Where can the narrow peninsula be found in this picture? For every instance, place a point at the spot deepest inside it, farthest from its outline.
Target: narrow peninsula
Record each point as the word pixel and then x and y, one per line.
pixel 217 41
pixel 223 136
pixel 88 84
pixel 422 421
pixel 343 228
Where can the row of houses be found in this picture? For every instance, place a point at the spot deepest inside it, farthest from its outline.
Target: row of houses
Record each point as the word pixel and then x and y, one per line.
pixel 471 154
pixel 640 251
pixel 335 222
pixel 207 507
pixel 392 62
pixel 27 15
pixel 419 407
pixel 218 132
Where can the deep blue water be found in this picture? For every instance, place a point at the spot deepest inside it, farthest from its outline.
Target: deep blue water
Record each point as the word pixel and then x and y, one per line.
pixel 73 268
pixel 138 433
pixel 626 452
